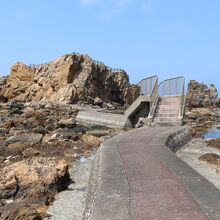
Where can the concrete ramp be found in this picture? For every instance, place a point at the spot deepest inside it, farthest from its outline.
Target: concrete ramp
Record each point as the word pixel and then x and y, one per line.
pixel 105 119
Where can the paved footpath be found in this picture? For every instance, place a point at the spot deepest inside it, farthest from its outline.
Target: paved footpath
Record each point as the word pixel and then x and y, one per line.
pixel 136 177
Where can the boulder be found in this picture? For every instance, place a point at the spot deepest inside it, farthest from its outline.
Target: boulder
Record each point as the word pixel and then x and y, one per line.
pixel 34 138
pixel 98 101
pixel 31 177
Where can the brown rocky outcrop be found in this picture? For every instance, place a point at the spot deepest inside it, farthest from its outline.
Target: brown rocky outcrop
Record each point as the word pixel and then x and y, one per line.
pixel 69 79
pixel 201 107
pixel 199 95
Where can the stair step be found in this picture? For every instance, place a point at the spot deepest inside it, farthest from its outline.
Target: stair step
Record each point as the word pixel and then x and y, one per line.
pixel 169 103
pixel 165 124
pixel 167 119
pixel 167 107
pixel 167 111
pixel 170 98
pixel 164 115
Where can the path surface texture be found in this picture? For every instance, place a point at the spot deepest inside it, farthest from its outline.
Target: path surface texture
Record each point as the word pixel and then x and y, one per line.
pixel 136 177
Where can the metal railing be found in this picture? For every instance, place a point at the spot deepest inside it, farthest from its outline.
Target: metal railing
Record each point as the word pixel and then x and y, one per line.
pixel 174 87
pixel 147 85
pixel 182 101
pixel 171 87
pixel 153 100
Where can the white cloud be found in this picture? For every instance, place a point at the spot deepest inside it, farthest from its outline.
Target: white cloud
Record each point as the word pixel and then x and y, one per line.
pixel 89 2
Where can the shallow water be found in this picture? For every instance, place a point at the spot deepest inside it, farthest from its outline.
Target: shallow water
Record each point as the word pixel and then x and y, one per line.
pixel 212 134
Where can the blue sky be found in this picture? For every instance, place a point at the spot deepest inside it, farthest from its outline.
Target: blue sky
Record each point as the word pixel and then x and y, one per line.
pixel 144 37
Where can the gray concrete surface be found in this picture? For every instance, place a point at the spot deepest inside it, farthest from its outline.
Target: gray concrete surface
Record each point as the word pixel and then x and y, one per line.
pixel 70 204
pixel 190 154
pixel 135 176
pixel 104 119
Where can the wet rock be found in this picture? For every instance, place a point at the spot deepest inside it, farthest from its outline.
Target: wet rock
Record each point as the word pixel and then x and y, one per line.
pixel 34 138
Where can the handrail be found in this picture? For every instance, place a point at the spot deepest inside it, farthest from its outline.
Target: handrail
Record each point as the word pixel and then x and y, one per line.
pixel 182 102
pixel 153 99
pixel 172 78
pixel 147 78
pixel 147 85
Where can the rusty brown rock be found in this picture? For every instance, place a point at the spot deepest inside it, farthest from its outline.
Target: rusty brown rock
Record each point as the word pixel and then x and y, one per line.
pixel 69 79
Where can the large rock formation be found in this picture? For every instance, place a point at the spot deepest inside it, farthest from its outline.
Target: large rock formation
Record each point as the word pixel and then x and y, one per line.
pixel 199 95
pixel 202 112
pixel 69 79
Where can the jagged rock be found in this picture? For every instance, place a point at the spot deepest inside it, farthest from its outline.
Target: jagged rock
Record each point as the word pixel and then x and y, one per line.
pixel 199 95
pixel 40 173
pixel 69 79
pixel 201 119
pixel 201 112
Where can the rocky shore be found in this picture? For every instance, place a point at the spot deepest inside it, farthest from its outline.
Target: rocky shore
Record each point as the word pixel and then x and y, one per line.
pixel 40 141
pixel 202 114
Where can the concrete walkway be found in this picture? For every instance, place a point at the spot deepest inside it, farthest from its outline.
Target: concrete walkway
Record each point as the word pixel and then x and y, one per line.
pixel 136 177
